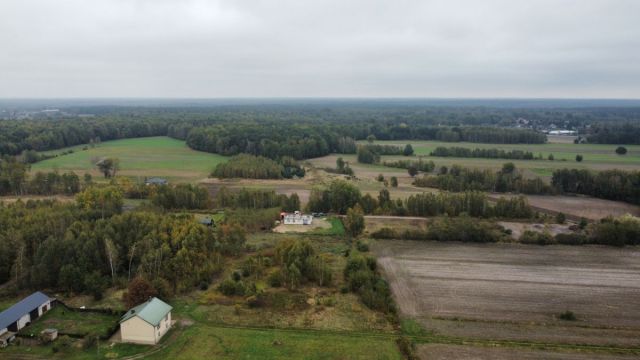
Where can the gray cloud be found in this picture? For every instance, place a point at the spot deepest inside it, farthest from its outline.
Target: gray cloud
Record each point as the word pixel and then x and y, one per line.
pixel 333 48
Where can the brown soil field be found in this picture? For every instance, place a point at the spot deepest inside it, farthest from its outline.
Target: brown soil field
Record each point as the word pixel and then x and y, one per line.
pixel 516 292
pixel 576 207
pixel 442 352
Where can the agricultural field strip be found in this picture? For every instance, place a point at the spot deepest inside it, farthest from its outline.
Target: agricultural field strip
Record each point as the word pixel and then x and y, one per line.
pixel 438 339
pixel 497 271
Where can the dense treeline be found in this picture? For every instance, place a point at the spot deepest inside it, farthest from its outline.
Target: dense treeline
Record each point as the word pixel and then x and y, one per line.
pixel 607 184
pixel 472 203
pixel 384 149
pixel 256 199
pixel 314 127
pixel 15 180
pixel 508 179
pixel 340 196
pixel 65 247
pixel 258 167
pixel 463 228
pixel 628 133
pixel 457 151
pixel 181 196
pixel 41 135
pixel 419 165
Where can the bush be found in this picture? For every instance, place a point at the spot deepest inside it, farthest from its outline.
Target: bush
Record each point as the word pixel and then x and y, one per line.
pixel 561 218
pixel 361 246
pixel 407 348
pixel 229 287
pixel 571 239
pixel 275 279
pixel 536 238
pixel 568 316
pixel 621 150
pixel 579 158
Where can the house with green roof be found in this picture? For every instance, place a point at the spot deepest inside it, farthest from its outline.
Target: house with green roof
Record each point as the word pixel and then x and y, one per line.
pixel 146 323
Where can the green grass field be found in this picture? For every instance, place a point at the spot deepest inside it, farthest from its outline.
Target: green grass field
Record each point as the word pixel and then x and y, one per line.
pixel 203 341
pixel 139 158
pixel 596 156
pixel 72 322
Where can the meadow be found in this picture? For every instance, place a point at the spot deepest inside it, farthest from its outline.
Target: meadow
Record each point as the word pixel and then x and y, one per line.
pixel 142 157
pixel 596 156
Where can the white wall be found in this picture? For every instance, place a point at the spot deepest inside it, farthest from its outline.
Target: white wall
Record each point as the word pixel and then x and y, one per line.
pixel 22 322
pixel 136 330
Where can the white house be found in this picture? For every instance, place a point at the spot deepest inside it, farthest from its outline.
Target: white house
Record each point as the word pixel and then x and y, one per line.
pixel 296 219
pixel 146 323
pixel 24 312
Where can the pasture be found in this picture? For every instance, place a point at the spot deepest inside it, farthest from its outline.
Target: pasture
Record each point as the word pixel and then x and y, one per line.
pixel 204 341
pixel 139 158
pixel 513 292
pixel 596 156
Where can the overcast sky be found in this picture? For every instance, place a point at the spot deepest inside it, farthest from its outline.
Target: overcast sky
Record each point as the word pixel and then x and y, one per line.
pixel 306 48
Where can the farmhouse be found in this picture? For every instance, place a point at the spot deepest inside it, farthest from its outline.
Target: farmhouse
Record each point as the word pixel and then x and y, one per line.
pixel 146 323
pixel 24 312
pixel 296 218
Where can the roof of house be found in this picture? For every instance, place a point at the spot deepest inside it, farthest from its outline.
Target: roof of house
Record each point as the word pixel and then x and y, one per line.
pixel 151 311
pixel 21 308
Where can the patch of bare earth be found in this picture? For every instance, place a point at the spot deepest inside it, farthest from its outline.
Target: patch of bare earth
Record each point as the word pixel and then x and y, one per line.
pixel 316 224
pixel 442 352
pixel 516 292
pixel 518 228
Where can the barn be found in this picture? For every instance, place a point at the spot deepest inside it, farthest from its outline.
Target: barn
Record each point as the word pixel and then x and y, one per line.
pixel 146 323
pixel 24 312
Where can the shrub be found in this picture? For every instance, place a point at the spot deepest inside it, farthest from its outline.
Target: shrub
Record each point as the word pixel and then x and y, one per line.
pixel 568 316
pixel 229 287
pixel 561 218
pixel 536 238
pixel 407 348
pixel 571 239
pixel 621 150
pixel 579 158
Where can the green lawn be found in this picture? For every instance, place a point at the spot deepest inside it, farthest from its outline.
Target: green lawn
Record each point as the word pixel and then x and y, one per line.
pixel 596 156
pixel 139 158
pixel 211 342
pixel 72 322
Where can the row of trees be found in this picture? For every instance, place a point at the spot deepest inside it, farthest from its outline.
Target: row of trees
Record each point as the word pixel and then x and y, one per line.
pixel 456 151
pixel 607 184
pixel 15 180
pixel 462 228
pixel 340 196
pixel 370 153
pixel 508 179
pixel 258 167
pixel 417 165
pixel 256 199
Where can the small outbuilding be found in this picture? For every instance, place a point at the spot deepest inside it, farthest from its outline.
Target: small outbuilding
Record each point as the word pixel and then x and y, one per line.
pixel 156 181
pixel 48 335
pixel 146 323
pixel 207 222
pixel 24 312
